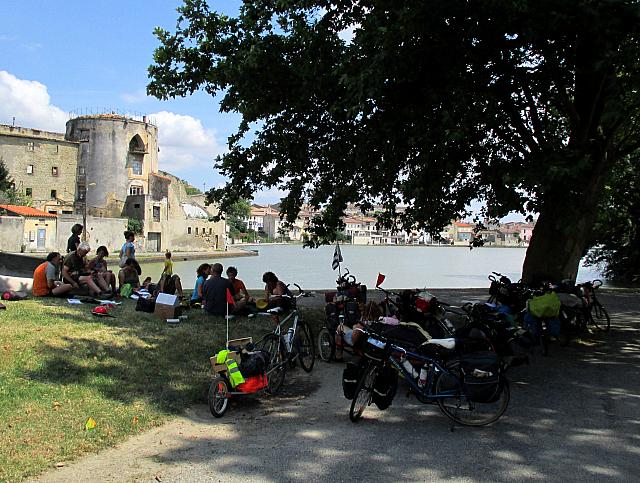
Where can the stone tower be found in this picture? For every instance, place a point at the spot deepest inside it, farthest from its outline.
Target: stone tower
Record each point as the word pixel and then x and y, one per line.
pixel 116 157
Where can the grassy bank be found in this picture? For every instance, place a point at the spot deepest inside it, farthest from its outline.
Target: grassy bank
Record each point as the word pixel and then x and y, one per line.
pixel 60 366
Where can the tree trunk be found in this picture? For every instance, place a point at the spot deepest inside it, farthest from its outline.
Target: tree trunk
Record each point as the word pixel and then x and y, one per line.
pixel 562 232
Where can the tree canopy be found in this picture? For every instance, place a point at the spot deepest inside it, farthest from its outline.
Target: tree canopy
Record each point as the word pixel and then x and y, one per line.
pixel 526 105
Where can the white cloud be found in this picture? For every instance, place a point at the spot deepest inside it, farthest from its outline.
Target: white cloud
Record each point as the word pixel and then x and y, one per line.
pixel 135 97
pixel 30 104
pixel 185 143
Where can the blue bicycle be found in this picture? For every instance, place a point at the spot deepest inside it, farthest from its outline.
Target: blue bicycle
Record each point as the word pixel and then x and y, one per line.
pixel 469 389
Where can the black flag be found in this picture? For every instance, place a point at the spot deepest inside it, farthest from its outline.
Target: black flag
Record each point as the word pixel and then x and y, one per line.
pixel 337 257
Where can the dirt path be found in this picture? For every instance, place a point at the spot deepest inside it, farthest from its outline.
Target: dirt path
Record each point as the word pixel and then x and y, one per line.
pixel 574 415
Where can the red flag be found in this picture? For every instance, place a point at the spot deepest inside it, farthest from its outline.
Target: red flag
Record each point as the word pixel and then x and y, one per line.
pixel 230 298
pixel 380 279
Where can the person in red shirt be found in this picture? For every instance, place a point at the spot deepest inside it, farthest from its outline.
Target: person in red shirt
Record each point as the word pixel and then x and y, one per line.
pixel 241 297
pixel 46 278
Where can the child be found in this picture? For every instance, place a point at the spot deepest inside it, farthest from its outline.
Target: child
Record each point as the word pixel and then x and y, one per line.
pixel 168 265
pixel 99 266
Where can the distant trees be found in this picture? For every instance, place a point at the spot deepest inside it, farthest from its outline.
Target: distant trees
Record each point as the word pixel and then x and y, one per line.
pixel 525 104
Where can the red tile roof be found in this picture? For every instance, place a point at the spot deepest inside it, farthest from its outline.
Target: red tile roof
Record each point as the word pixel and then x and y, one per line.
pixel 27 211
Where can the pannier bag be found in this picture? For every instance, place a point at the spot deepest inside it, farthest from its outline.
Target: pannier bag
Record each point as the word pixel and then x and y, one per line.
pixel 481 372
pixel 545 306
pixel 350 377
pixel 145 305
pixel 351 312
pixel 254 363
pixel 384 387
pixel 406 334
pixel 534 325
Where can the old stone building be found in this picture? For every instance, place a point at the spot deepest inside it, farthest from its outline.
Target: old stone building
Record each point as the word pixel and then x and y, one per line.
pixel 104 170
pixel 43 166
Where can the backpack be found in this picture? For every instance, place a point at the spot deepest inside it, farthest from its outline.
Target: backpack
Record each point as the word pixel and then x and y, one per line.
pixel 545 306
pixel 254 363
pixel 385 386
pixel 481 376
pixel 145 305
pixel 126 290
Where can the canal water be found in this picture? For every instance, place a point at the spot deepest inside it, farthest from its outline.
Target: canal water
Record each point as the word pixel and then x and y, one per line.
pixel 404 266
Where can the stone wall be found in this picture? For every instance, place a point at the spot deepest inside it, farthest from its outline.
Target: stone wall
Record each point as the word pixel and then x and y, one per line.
pixel 11 233
pixel 100 231
pixel 42 163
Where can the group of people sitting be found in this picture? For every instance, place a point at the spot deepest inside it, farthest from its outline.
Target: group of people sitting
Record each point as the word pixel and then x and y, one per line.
pixel 211 291
pixel 59 276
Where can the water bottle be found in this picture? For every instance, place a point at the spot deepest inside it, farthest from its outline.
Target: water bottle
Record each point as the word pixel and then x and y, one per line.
pixel 409 368
pixel 289 338
pixel 422 379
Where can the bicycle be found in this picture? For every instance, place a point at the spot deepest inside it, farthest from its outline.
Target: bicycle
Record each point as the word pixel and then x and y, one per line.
pixel 598 315
pixel 444 382
pixel 285 349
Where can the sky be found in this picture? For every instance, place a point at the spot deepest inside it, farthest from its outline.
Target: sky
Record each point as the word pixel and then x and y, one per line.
pixel 58 57
pixel 61 57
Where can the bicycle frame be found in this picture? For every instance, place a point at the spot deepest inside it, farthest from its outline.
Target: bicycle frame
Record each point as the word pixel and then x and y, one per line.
pixel 434 367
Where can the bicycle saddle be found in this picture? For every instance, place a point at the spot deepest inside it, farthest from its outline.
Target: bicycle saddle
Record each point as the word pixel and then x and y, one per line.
pixel 446 343
pixel 275 310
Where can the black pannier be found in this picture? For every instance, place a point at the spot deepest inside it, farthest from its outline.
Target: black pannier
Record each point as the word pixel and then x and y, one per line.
pixel 385 386
pixel 406 334
pixel 481 373
pixel 254 363
pixel 350 377
pixel 351 313
pixel 331 310
pixel 145 305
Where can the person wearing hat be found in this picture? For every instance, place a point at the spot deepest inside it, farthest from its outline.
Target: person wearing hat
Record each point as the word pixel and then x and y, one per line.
pixel 214 292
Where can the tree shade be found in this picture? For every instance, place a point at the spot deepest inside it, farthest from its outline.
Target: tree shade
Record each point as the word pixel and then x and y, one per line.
pixel 527 105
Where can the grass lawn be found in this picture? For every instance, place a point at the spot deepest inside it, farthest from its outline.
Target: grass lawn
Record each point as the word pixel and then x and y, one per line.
pixel 60 366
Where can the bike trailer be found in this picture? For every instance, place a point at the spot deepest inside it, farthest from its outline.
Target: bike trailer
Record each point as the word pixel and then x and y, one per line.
pixel 481 376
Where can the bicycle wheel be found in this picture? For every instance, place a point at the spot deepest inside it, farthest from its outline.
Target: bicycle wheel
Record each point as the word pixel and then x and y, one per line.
pixel 304 346
pixel 326 345
pixel 218 396
pixel 277 368
pixel 462 411
pixel 600 317
pixel 364 393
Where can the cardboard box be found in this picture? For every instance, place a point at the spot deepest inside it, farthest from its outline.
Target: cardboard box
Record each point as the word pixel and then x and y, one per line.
pixel 167 306
pixel 240 342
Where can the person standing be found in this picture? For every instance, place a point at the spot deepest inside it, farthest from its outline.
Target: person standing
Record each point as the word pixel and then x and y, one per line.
pixel 74 239
pixel 214 292
pixel 46 278
pixel 128 250
pixel 168 265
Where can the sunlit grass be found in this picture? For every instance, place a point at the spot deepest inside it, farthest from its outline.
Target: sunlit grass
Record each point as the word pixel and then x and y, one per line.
pixel 59 366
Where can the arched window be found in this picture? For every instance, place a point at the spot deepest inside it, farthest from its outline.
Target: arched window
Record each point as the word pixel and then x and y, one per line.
pixel 136 145
pixel 136 154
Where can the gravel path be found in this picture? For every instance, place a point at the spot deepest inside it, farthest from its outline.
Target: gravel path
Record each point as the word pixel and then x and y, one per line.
pixel 573 416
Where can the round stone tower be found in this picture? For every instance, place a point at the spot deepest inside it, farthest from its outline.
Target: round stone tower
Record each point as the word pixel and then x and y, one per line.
pixel 117 154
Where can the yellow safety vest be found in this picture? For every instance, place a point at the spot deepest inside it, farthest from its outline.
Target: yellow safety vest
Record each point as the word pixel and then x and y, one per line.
pixel 235 377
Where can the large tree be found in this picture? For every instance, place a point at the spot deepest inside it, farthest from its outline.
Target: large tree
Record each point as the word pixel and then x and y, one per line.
pixel 524 104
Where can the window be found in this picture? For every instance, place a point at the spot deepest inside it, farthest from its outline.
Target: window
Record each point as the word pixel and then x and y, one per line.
pixel 196 230
pixel 53 212
pixel 209 231
pixel 136 167
pixel 136 190
pixel 67 212
pixel 156 213
pixel 32 236
pixel 54 171
pixel 28 191
pixel 188 230
pixel 54 194
pixel 30 169
pixel 137 205
pixel 81 170
pixel 30 146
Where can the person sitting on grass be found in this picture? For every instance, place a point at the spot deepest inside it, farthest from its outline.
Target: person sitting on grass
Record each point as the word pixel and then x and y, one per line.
pixel 171 285
pixel 99 266
pixel 46 278
pixel 241 297
pixel 130 274
pixel 274 291
pixel 214 292
pixel 202 273
pixel 76 272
